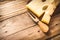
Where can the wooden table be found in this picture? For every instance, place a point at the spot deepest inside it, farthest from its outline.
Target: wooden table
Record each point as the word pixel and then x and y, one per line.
pixel 17 25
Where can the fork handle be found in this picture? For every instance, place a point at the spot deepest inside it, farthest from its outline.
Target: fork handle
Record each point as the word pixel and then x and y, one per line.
pixel 43 26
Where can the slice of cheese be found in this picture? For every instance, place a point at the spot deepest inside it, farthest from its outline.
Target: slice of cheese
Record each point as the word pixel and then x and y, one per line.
pixel 38 7
pixel 46 18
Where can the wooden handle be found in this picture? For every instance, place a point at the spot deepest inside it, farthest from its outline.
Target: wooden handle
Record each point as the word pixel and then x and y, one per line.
pixel 43 26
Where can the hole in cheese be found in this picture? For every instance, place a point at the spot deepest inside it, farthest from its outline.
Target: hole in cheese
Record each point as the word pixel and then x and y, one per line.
pixel 45 7
pixel 43 0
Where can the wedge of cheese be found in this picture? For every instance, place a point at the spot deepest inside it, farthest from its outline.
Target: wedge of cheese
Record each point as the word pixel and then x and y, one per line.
pixel 38 7
pixel 46 18
pixel 48 12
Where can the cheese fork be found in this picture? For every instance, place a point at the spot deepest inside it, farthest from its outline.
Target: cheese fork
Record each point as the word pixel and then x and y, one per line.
pixel 42 26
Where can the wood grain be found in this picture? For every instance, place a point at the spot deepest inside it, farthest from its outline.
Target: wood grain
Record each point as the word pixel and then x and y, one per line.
pixel 21 26
pixel 28 34
pixel 12 9
pixel 15 24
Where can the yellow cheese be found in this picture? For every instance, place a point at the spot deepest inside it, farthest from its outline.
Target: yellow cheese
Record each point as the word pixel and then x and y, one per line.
pixel 46 18
pixel 38 7
pixel 35 7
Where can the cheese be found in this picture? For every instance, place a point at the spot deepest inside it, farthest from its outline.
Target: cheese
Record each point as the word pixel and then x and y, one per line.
pixel 38 7
pixel 46 19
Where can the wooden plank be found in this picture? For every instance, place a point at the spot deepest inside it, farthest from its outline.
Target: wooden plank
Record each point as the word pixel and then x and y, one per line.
pixel 33 33
pixel 12 9
pixel 54 26
pixel 15 24
pixel 56 38
pixel 28 34
pixel 1 3
pixel 6 1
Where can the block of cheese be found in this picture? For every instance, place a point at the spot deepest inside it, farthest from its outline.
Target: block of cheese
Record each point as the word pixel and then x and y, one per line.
pixel 40 7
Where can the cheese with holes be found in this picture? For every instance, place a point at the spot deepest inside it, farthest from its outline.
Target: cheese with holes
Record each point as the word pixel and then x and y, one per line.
pixel 38 7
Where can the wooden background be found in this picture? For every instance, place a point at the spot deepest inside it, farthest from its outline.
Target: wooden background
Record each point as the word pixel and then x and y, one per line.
pixel 15 24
